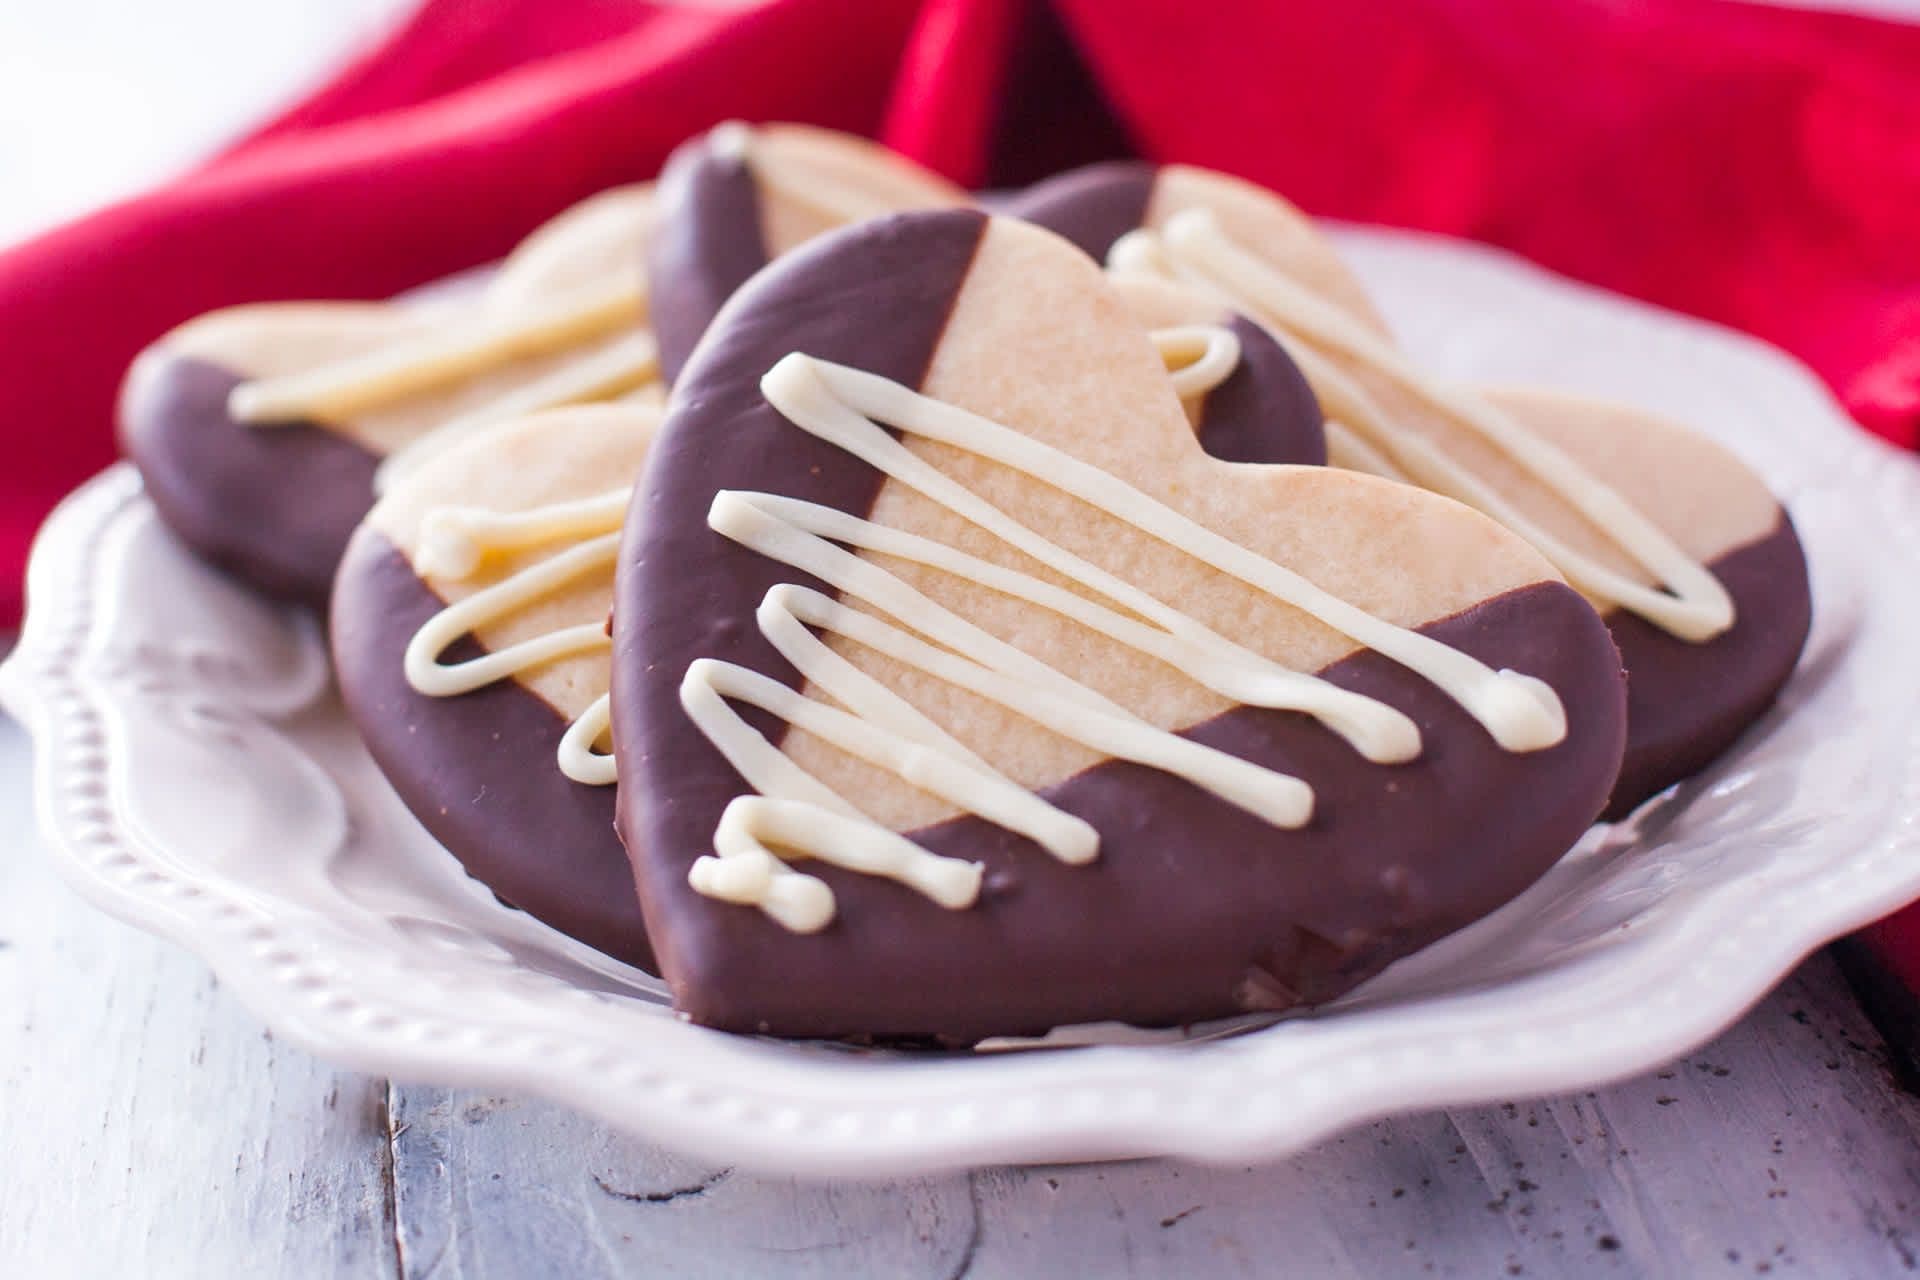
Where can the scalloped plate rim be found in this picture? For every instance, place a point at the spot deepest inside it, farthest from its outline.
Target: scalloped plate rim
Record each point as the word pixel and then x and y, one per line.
pixel 1197 1102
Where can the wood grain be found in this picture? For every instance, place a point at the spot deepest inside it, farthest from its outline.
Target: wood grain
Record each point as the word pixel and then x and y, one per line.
pixel 149 1125
pixel 1782 1145
pixel 154 1129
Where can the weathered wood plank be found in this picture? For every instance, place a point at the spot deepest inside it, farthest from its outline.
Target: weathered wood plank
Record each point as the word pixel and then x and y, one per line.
pixel 156 1129
pixel 490 1186
pixel 1893 1010
pixel 150 1126
pixel 1783 1144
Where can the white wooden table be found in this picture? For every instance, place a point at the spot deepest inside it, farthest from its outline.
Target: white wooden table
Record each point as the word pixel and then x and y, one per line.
pixel 149 1126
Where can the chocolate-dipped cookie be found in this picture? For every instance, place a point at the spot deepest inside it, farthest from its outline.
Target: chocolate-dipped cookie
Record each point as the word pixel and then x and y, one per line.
pixel 739 196
pixel 1243 394
pixel 469 629
pixel 1694 564
pixel 465 745
pixel 1688 700
pixel 957 691
pixel 259 429
pixel 1095 206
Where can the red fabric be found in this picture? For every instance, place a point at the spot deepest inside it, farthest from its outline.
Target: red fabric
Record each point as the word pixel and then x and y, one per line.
pixel 430 155
pixel 944 99
pixel 1755 165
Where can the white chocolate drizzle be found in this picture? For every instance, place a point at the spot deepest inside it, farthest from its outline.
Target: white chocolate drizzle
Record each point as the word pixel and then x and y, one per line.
pixel 622 367
pixel 398 371
pixel 1196 250
pixel 579 756
pixel 454 543
pixel 1347 451
pixel 846 408
pixel 1199 357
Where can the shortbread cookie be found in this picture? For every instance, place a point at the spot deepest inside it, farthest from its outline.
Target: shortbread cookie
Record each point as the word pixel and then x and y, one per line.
pixel 470 638
pixel 1687 700
pixel 1633 510
pixel 522 514
pixel 1097 205
pixel 1107 728
pixel 1245 397
pixel 259 429
pixel 739 196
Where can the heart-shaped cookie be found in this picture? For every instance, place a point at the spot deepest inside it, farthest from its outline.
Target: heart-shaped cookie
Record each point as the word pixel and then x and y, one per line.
pixel 1243 394
pixel 469 629
pixel 259 429
pixel 1097 205
pixel 1693 562
pixel 500 546
pixel 1094 725
pixel 739 196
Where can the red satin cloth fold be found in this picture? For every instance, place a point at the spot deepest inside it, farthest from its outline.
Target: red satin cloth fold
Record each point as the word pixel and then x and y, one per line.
pixel 1755 165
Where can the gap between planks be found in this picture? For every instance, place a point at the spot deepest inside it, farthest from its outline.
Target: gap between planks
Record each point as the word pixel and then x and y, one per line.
pixel 1783 1144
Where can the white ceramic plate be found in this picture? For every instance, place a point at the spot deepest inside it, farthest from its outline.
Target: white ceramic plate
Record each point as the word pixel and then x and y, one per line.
pixel 198 778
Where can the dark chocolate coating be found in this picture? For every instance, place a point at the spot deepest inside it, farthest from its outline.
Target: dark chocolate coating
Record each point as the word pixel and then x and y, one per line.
pixel 1687 703
pixel 685 591
pixel 478 769
pixel 706 242
pixel 1265 411
pixel 556 855
pixel 274 506
pixel 1092 207
pixel 1194 908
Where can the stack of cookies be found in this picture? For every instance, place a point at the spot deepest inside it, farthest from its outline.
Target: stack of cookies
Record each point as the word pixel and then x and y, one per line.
pixel 891 620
